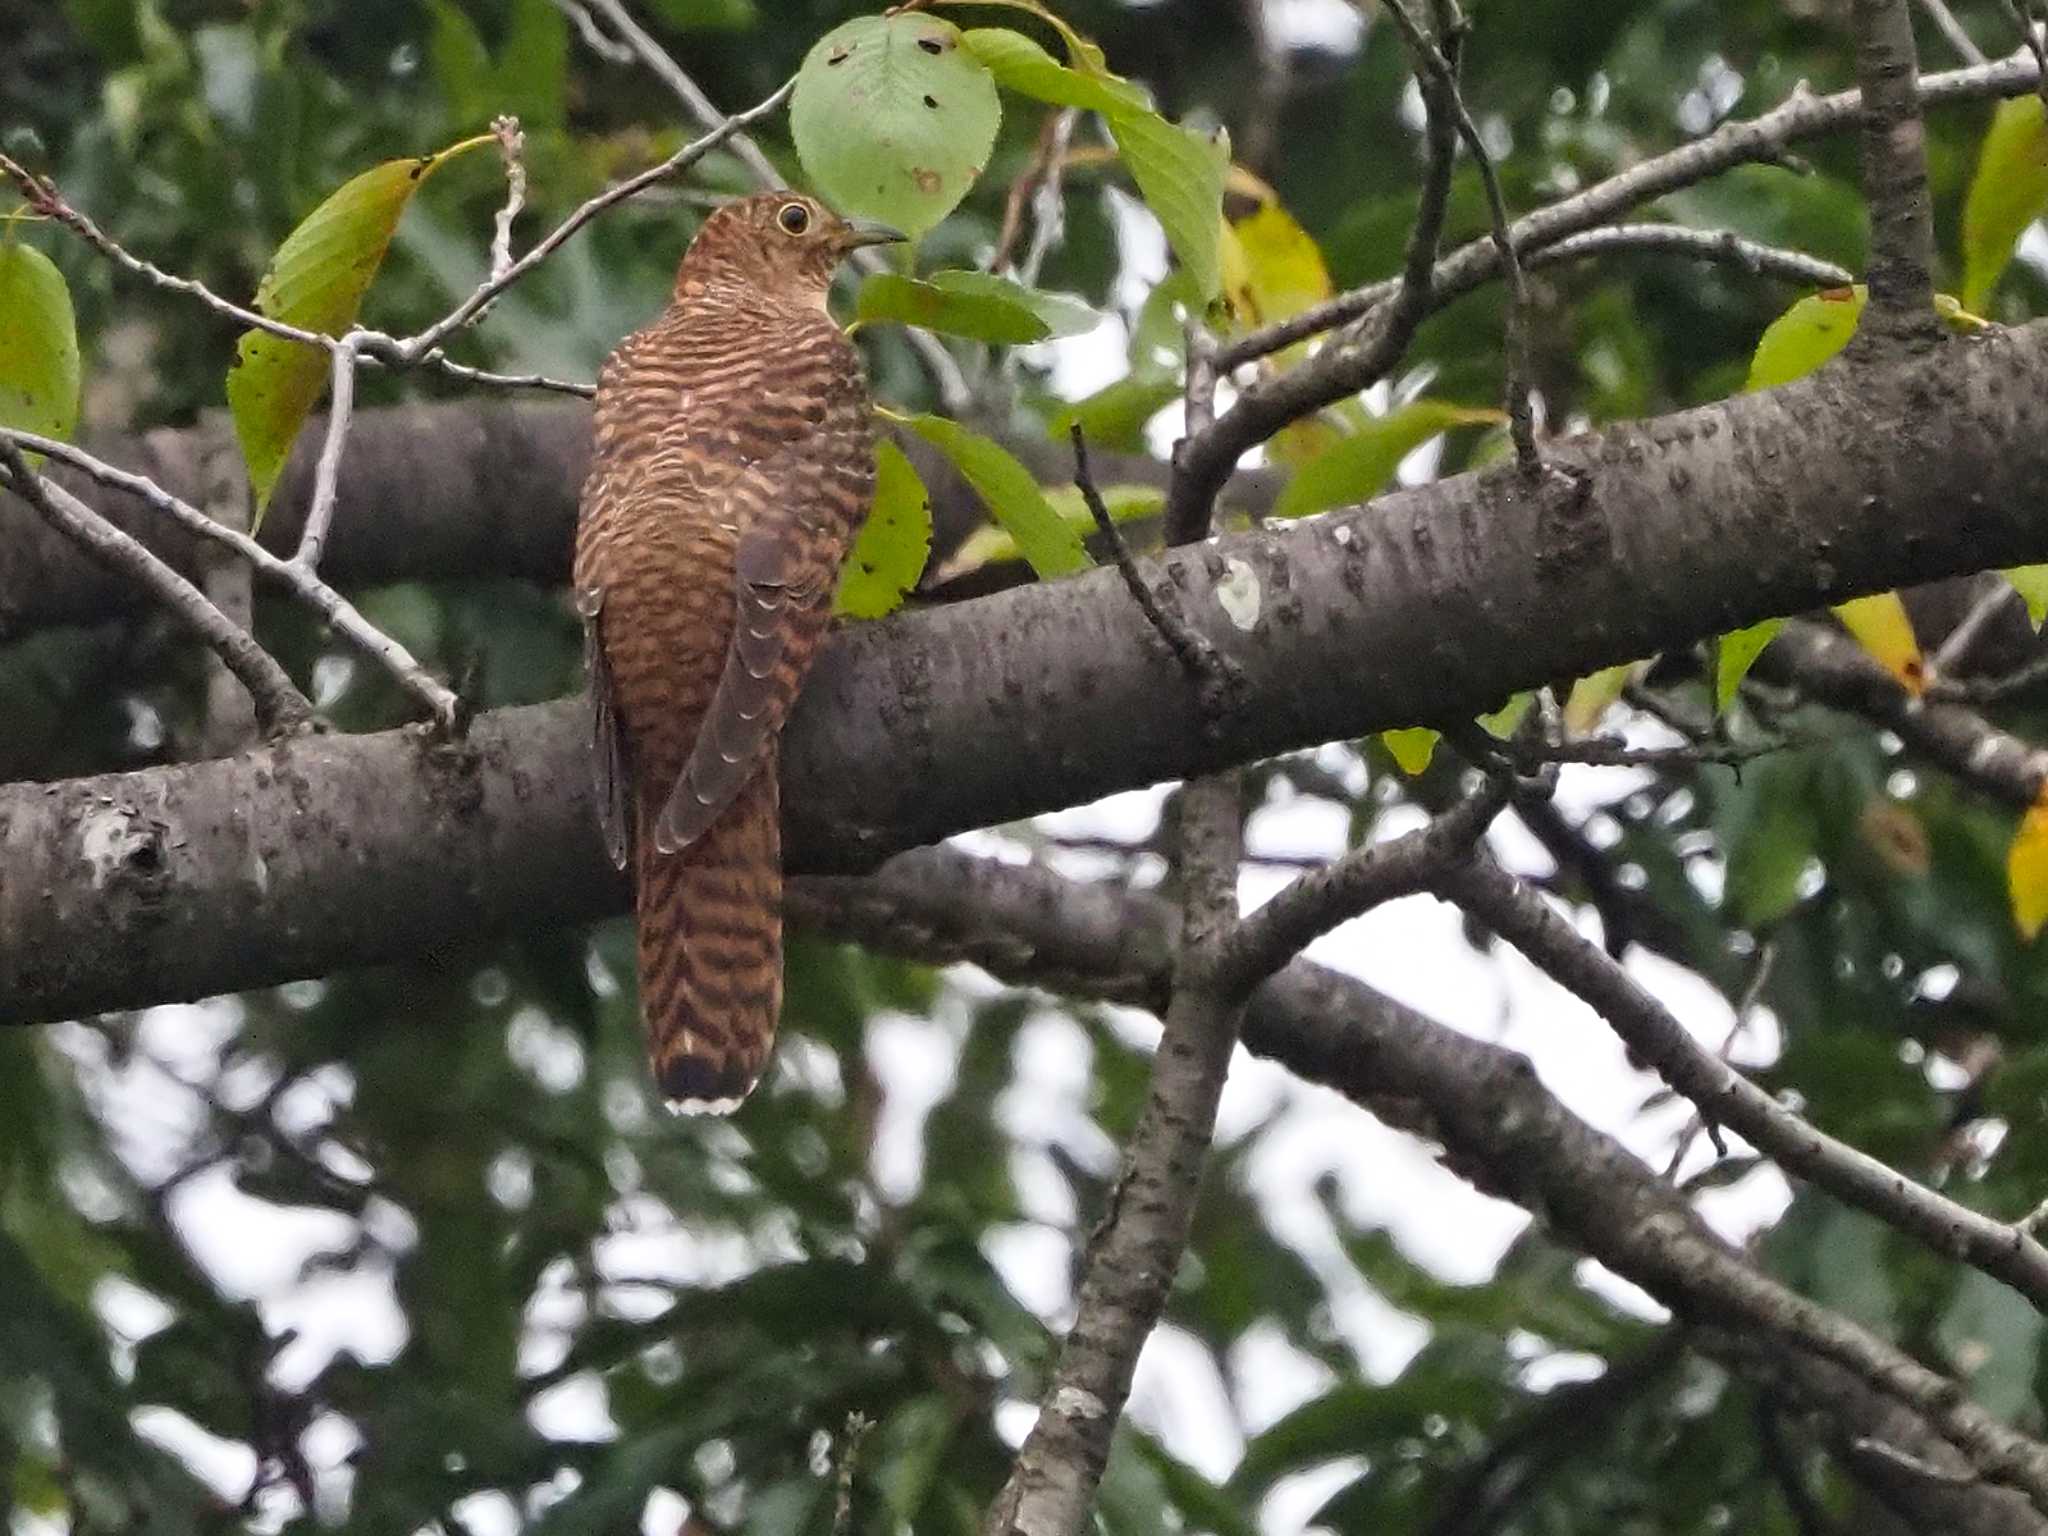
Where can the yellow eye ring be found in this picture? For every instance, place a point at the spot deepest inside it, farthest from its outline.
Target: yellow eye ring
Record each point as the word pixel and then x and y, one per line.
pixel 794 218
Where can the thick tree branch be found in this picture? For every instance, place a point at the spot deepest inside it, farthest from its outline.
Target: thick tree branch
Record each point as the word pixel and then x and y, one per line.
pixel 935 721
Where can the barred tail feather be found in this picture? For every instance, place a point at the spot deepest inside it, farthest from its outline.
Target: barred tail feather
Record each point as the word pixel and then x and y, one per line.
pixel 710 931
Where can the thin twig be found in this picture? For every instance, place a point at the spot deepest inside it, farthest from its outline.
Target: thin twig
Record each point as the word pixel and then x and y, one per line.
pixel 1952 31
pixel 850 1440
pixel 341 402
pixel 1430 58
pixel 415 348
pixel 512 149
pixel 341 615
pixel 1314 903
pixel 279 704
pixel 1957 644
pixel 1217 681
pixel 1715 245
pixel 1800 117
pixel 1723 1094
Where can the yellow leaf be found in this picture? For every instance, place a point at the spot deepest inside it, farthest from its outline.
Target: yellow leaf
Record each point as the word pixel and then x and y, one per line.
pixel 1411 747
pixel 1272 269
pixel 1592 696
pixel 2026 871
pixel 1882 627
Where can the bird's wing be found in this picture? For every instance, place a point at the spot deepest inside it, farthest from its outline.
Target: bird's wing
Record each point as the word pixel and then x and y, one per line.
pixel 607 736
pixel 782 584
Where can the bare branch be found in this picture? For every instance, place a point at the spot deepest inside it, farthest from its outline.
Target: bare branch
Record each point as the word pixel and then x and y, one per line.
pixel 279 704
pixel 1724 1095
pixel 1316 902
pixel 1801 117
pixel 1431 61
pixel 1136 1252
pixel 1217 682
pixel 512 149
pixel 341 403
pixel 1900 312
pixel 341 615
pixel 1952 31
pixel 415 348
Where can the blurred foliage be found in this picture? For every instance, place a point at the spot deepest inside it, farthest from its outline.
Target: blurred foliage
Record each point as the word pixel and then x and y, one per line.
pixel 412 1249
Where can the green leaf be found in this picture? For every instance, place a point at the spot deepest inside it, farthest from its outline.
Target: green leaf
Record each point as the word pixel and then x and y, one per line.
pixel 978 305
pixel 894 119
pixel 1992 1336
pixel 1411 747
pixel 1361 465
pixel 316 282
pixel 889 555
pixel 1115 415
pixel 1769 836
pixel 2008 192
pixel 38 343
pixel 1805 336
pixel 1049 542
pixel 1019 64
pixel 529 77
pixel 1735 654
pixel 1820 325
pixel 1179 173
pixel 2031 582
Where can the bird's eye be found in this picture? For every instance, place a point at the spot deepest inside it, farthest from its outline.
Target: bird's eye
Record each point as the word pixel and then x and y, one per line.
pixel 794 218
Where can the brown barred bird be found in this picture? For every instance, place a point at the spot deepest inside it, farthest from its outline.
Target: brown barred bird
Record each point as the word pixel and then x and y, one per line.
pixel 734 460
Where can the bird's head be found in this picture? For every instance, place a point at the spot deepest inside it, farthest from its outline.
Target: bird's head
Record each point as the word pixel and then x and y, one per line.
pixel 778 243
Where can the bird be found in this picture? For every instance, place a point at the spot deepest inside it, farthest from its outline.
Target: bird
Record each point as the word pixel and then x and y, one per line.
pixel 732 462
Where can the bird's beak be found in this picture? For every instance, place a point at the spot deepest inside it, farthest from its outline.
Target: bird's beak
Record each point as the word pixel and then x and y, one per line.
pixel 860 232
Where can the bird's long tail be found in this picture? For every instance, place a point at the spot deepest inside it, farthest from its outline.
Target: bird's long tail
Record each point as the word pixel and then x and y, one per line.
pixel 710 933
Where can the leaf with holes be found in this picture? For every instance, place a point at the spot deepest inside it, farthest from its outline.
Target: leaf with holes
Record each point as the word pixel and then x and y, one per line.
pixel 2008 192
pixel 977 305
pixel 2026 871
pixel 1179 173
pixel 894 119
pixel 38 343
pixel 316 282
pixel 889 554
pixel 1882 627
pixel 1362 464
pixel 1011 492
